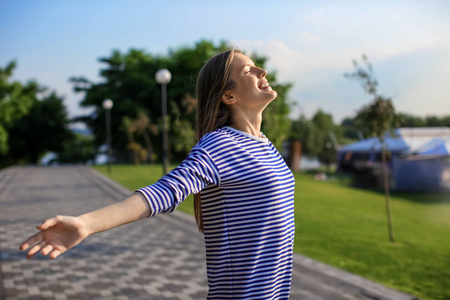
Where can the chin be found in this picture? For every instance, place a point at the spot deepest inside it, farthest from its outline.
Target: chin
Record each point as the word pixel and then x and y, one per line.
pixel 274 95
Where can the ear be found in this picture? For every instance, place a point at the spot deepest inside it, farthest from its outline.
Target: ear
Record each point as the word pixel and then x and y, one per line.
pixel 227 98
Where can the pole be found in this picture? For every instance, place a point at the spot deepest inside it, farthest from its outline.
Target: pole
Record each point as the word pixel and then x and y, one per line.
pixel 164 124
pixel 387 199
pixel 108 137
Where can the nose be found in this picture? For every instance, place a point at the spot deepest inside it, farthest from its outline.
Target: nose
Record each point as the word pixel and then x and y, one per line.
pixel 262 73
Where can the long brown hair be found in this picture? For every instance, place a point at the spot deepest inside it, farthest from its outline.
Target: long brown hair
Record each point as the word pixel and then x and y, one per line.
pixel 213 80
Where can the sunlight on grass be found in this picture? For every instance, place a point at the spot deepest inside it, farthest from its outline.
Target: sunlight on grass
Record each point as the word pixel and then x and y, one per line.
pixel 346 227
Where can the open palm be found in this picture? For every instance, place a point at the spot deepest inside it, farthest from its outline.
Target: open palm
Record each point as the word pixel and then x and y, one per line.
pixel 56 236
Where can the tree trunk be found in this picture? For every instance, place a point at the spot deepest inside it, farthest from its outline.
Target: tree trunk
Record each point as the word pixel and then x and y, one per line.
pixel 386 191
pixel 295 155
pixel 148 145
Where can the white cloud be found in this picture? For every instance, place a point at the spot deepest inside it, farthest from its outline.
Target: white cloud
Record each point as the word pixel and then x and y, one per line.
pixel 319 82
pixel 309 38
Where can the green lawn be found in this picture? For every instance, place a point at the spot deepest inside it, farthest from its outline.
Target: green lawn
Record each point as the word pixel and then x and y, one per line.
pixel 347 228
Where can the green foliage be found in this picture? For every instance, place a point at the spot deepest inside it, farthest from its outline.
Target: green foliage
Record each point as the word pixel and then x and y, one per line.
pixel 186 136
pixel 15 102
pixel 129 80
pixel 378 117
pixel 406 120
pixel 342 226
pixel 139 128
pixel 43 129
pixel 79 149
pixel 350 128
pixel 314 135
pixel 29 127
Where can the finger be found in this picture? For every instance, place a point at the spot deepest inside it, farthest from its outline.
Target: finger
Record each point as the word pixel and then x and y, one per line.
pixel 35 249
pixel 47 249
pixel 55 254
pixel 48 223
pixel 31 241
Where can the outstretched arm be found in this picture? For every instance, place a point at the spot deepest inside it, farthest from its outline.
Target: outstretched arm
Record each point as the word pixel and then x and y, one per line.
pixel 61 233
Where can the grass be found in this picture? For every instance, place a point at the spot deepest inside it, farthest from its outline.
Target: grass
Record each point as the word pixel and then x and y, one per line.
pixel 347 228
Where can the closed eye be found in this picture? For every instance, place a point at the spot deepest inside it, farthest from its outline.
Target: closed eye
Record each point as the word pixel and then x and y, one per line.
pixel 248 68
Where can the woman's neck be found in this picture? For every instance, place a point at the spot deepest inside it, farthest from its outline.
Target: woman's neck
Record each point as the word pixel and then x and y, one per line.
pixel 248 124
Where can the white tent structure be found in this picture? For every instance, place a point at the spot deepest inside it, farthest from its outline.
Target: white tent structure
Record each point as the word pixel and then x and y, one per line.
pixel 425 138
pixel 419 158
pixel 425 167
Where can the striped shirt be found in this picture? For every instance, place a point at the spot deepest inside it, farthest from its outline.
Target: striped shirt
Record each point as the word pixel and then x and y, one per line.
pixel 247 204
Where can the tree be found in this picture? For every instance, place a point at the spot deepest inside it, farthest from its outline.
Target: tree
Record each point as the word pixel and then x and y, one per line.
pixel 140 126
pixel 43 129
pixel 129 80
pixel 378 118
pixel 29 127
pixel 324 127
pixel 315 136
pixel 433 121
pixel 15 102
pixel 79 149
pixel 351 126
pixel 406 120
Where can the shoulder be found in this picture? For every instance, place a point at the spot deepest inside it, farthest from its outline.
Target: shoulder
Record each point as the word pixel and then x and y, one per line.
pixel 215 139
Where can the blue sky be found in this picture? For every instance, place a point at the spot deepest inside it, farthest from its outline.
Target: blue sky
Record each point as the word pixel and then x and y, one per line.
pixel 309 43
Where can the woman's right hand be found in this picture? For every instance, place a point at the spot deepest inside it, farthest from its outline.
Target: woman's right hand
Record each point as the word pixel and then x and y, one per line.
pixel 56 236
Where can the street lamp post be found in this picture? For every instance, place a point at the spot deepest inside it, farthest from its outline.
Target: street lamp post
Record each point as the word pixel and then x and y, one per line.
pixel 107 105
pixel 163 77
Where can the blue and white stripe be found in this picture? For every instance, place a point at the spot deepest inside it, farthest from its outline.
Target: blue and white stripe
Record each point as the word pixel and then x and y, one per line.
pixel 248 212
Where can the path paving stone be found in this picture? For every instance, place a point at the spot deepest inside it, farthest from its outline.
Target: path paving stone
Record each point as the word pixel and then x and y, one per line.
pixel 159 258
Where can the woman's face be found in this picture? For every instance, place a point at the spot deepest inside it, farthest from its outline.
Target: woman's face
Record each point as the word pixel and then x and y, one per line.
pixel 251 90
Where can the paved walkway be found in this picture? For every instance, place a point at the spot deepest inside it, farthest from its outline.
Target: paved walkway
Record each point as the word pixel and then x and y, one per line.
pixel 158 258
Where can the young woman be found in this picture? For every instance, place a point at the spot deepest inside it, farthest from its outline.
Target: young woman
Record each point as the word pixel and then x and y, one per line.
pixel 244 192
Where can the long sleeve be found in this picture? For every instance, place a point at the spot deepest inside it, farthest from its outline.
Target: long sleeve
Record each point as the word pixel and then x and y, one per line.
pixel 195 172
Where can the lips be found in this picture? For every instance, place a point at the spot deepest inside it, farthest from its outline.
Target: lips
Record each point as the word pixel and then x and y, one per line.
pixel 264 84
